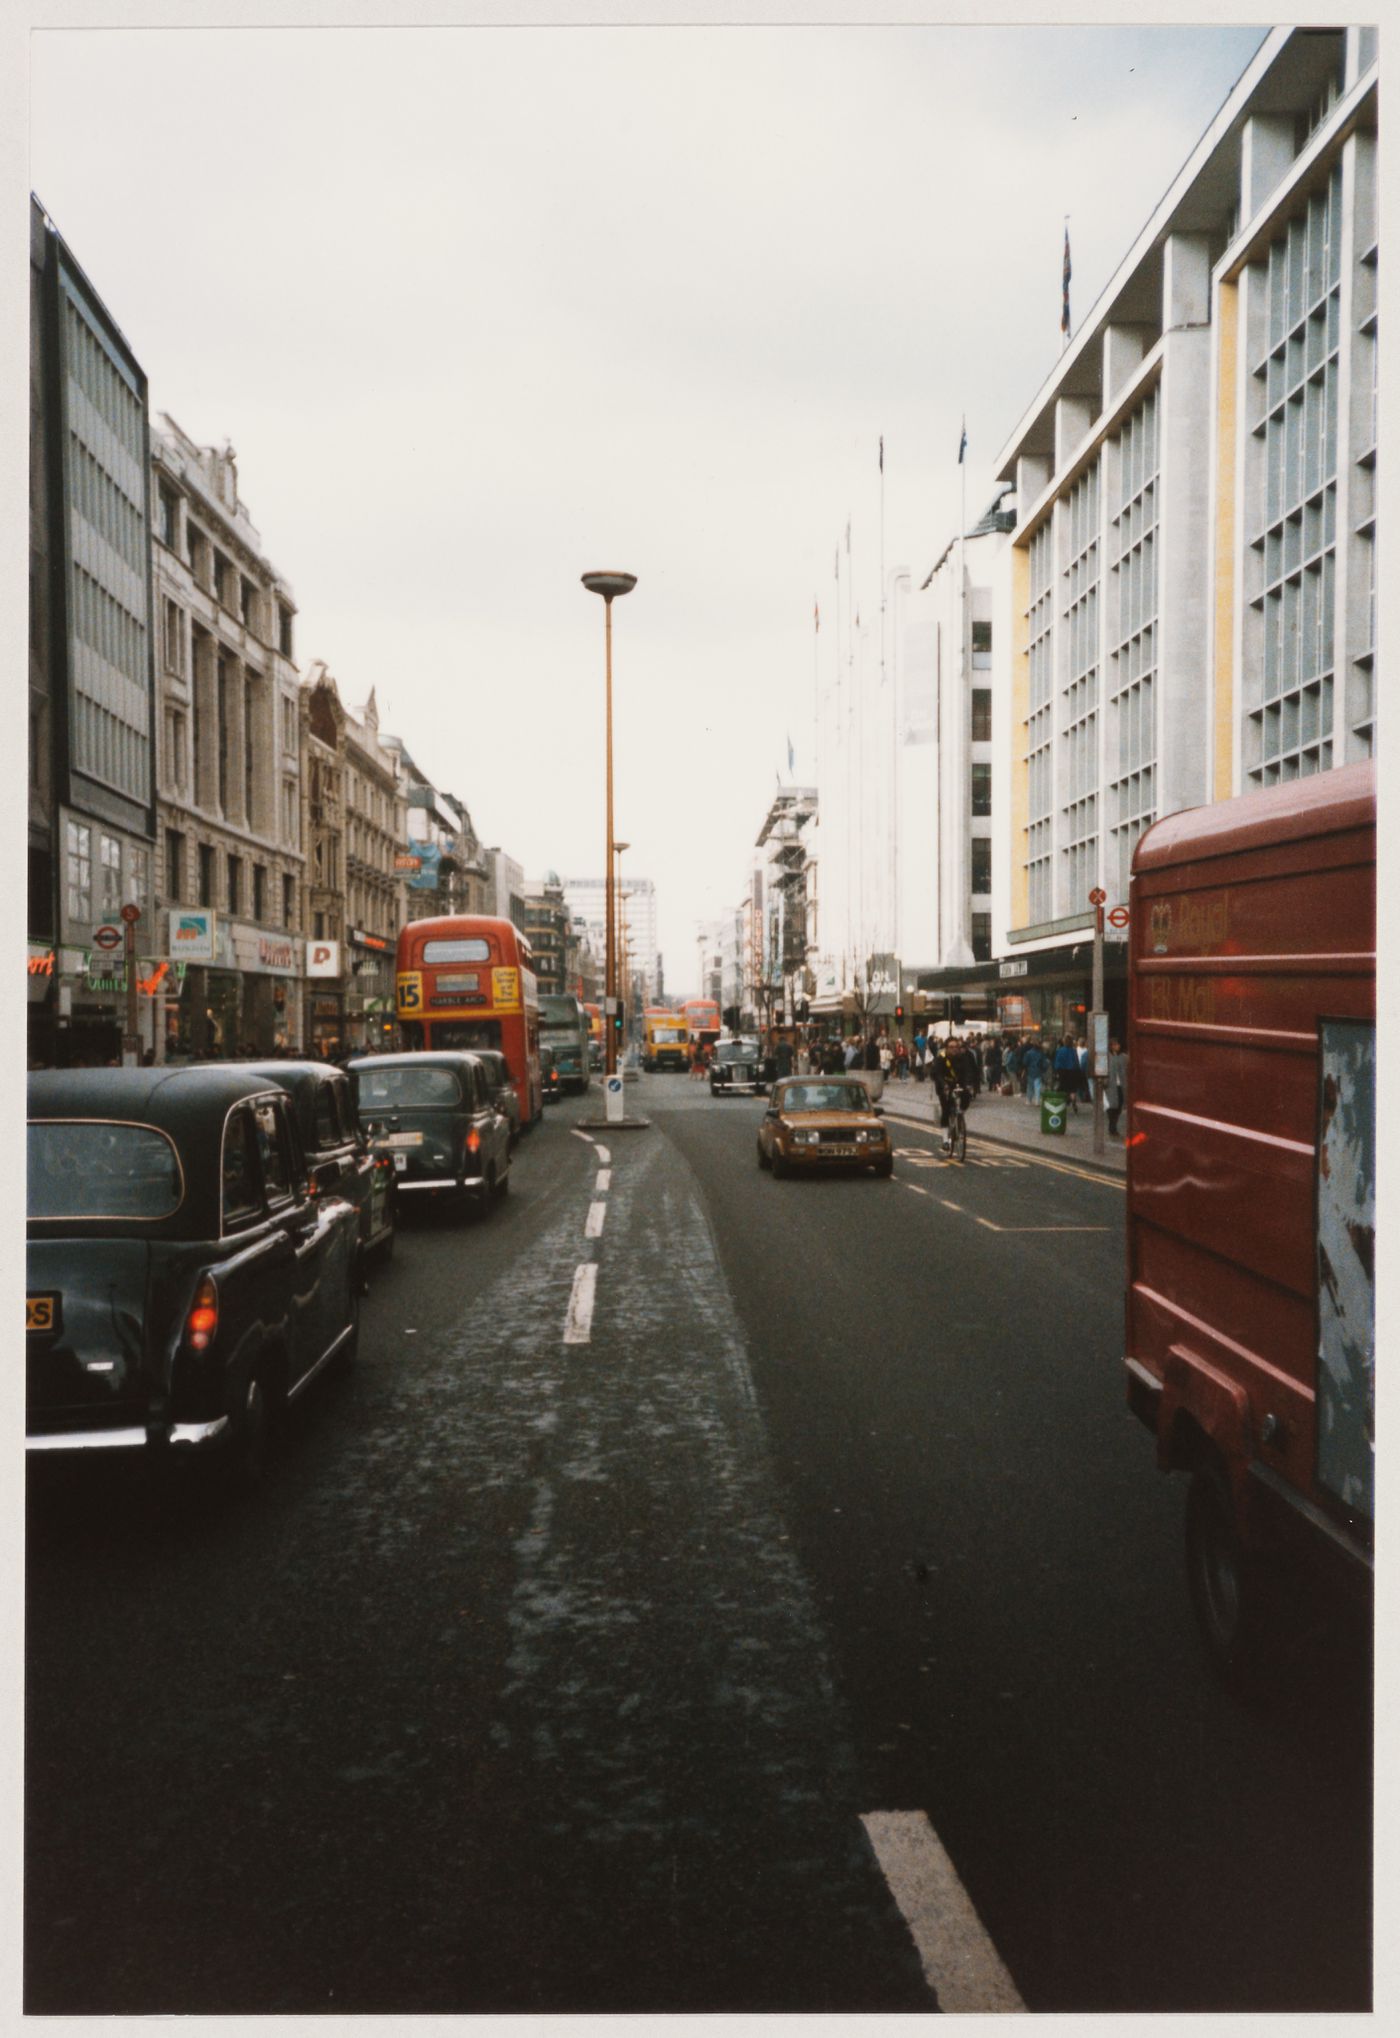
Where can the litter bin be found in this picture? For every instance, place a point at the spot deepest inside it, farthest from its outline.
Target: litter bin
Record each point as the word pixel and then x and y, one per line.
pixel 1053 1107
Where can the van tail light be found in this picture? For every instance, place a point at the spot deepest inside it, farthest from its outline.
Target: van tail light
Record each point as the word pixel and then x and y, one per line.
pixel 473 1141
pixel 203 1319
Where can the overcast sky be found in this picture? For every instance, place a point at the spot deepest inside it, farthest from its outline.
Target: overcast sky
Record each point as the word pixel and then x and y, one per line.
pixel 481 309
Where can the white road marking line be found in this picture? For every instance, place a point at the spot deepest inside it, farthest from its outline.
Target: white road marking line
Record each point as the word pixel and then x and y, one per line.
pixel 916 1188
pixel 960 1962
pixel 582 1135
pixel 603 1183
pixel 950 1206
pixel 1042 1227
pixel 578 1324
pixel 603 1156
pixel 596 1213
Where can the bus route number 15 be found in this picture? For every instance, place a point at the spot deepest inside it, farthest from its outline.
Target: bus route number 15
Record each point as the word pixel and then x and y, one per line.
pixel 411 991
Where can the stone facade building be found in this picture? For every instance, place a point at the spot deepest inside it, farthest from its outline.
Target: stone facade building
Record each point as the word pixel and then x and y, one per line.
pixel 374 886
pixel 228 747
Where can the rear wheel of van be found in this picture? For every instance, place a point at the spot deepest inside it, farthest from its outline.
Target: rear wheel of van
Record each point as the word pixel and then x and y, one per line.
pixel 1223 1577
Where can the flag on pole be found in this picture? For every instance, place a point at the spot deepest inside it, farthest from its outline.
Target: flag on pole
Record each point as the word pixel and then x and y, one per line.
pixel 816 616
pixel 1064 309
pixel 848 537
pixel 882 452
pixel 790 756
pixel 962 443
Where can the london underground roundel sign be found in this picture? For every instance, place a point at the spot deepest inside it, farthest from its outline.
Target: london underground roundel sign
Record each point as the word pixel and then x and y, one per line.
pixel 1118 916
pixel 107 937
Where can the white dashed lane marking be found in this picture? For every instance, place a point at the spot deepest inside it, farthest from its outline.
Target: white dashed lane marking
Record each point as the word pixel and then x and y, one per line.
pixel 960 1962
pixel 603 1156
pixel 603 1183
pixel 578 1324
pixel 594 1226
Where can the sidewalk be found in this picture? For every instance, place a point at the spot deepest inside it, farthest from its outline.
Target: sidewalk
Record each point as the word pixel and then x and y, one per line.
pixel 1010 1121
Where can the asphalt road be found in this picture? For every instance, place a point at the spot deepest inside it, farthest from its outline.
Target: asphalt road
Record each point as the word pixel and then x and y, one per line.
pixel 579 1628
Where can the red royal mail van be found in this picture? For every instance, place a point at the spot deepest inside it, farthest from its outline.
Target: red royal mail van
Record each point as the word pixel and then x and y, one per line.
pixel 1250 1347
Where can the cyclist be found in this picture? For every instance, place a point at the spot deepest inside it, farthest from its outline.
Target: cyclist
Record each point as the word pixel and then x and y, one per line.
pixel 950 1082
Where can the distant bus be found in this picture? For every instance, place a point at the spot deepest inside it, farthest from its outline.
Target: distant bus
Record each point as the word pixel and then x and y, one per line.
pixel 464 981
pixel 664 1042
pixel 564 1030
pixel 701 1016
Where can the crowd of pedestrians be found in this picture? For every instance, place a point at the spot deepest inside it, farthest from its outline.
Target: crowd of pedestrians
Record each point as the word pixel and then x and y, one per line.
pixel 1007 1065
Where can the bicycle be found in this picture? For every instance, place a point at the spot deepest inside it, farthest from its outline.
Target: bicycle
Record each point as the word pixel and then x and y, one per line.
pixel 955 1135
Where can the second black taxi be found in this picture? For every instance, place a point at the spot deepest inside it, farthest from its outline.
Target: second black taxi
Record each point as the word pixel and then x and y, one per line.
pixel 815 1123
pixel 435 1116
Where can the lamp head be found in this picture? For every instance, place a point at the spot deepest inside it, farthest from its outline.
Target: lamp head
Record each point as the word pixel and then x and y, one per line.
pixel 609 585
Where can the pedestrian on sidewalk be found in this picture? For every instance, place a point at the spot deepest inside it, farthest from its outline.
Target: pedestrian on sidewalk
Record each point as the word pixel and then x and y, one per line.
pixel 1066 1068
pixel 901 1059
pixel 1116 1090
pixel 920 1055
pixel 1011 1068
pixel 1034 1063
pixel 1086 1070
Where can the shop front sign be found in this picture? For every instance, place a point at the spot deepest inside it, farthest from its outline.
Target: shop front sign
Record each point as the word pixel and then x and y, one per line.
pixel 323 958
pixel 261 953
pixel 193 934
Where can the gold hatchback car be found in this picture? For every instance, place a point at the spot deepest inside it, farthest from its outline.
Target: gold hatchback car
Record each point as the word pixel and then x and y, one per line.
pixel 821 1122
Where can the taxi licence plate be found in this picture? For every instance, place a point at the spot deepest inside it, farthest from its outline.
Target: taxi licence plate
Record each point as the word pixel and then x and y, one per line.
pixel 404 1139
pixel 40 1312
pixel 400 1163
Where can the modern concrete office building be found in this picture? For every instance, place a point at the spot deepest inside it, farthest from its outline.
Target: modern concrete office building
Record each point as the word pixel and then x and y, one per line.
pixel 1191 595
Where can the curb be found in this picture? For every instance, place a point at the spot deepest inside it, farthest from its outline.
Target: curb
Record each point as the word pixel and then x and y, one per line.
pixel 1108 1169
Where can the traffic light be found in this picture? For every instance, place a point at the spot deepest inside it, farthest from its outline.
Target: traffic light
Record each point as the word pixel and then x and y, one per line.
pixel 955 1010
pixel 899 1015
pixel 617 1020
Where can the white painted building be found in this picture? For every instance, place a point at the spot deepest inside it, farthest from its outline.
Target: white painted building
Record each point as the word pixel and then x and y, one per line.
pixel 1191 594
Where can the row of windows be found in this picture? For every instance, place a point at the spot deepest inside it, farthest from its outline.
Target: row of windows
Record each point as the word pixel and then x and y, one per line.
pixel 103 384
pixel 106 507
pixel 246 887
pixel 1304 265
pixel 110 750
pixel 108 627
pixel 123 874
pixel 217 574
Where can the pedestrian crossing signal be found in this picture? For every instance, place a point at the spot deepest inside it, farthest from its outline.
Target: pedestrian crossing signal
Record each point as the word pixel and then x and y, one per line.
pixel 899 1015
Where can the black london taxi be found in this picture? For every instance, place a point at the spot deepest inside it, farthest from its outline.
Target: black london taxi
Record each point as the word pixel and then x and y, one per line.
pixel 433 1114
pixel 501 1084
pixel 737 1066
pixel 338 1154
pixel 818 1122
pixel 183 1282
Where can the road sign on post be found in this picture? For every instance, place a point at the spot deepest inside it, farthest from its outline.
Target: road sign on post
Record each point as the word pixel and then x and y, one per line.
pixel 612 1086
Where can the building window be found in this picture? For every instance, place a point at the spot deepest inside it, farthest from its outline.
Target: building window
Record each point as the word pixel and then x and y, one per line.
pixel 1041 725
pixel 981 937
pixel 1289 720
pixel 79 865
pixel 289 812
pixel 289 727
pixel 981 863
pixel 1132 639
pixel 289 900
pixel 981 714
pixel 206 875
pixel 225 581
pixel 981 644
pixel 197 551
pixel 174 865
pixel 1080 618
pixel 318 926
pixel 259 891
pixel 140 864
pixel 173 637
pixel 110 855
pixel 169 516
pixel 981 791
pixel 235 884
pixel 284 629
pixel 247 601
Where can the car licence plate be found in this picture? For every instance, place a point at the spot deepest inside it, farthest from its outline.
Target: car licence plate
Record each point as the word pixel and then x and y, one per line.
pixel 404 1139
pixel 41 1312
pixel 839 1153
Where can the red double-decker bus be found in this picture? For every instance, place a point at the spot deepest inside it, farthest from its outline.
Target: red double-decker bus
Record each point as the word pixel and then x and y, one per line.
pixel 464 981
pixel 701 1017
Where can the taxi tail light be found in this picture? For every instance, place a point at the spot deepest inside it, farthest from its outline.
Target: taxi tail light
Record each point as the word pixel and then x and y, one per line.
pixel 473 1141
pixel 203 1318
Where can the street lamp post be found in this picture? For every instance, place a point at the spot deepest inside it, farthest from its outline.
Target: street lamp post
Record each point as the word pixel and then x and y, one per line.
pixel 609 586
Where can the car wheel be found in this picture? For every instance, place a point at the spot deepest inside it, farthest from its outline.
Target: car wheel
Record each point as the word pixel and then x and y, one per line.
pixel 885 1168
pixel 779 1167
pixel 503 1186
pixel 486 1195
pixel 1223 1577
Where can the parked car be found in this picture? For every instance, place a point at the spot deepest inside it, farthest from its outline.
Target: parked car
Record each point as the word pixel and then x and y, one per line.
pixel 184 1281
pixel 737 1066
pixel 501 1084
pixel 336 1149
pixel 820 1122
pixel 434 1115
